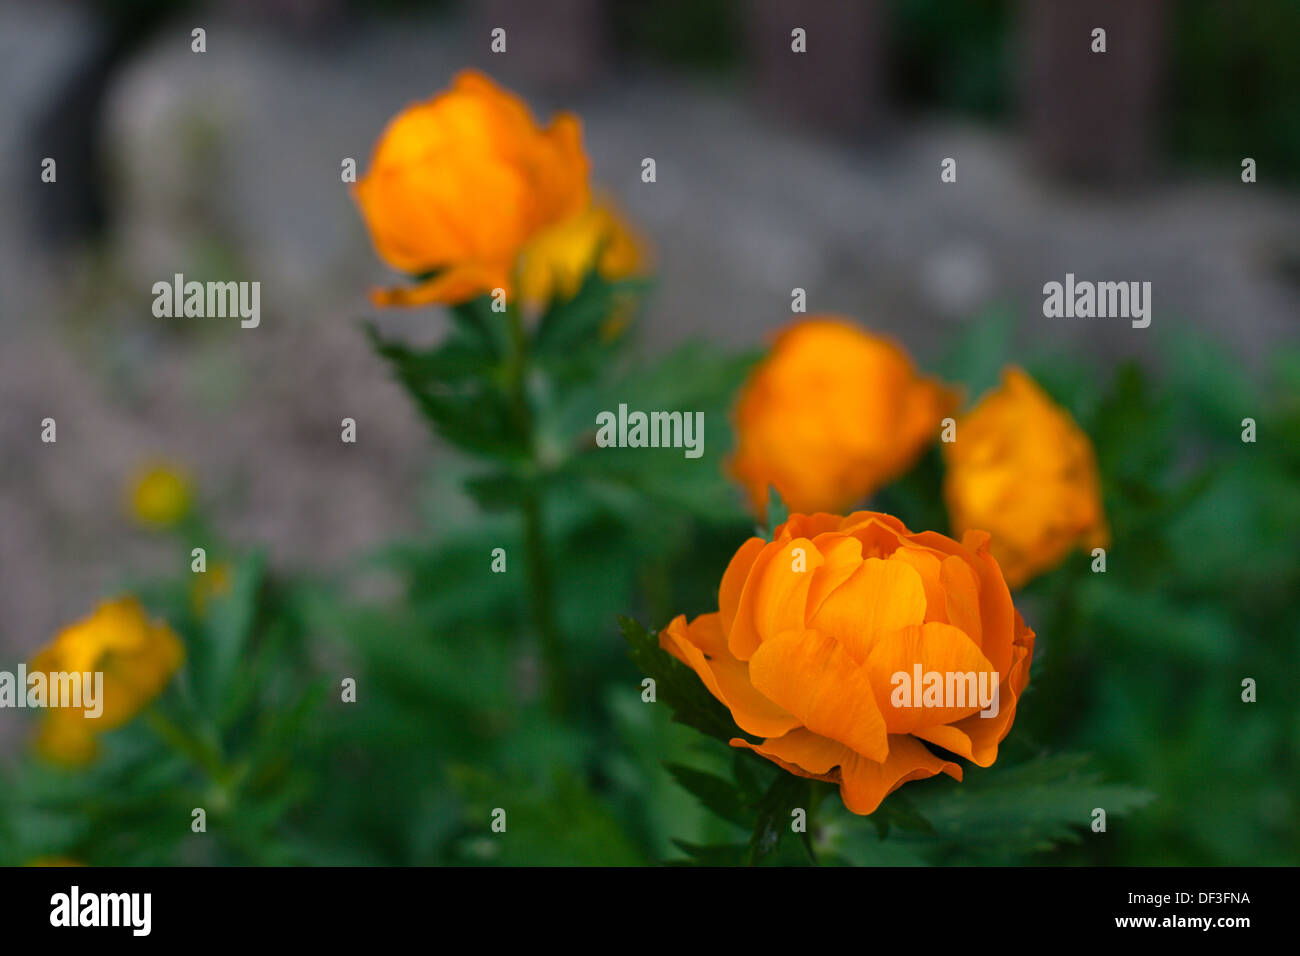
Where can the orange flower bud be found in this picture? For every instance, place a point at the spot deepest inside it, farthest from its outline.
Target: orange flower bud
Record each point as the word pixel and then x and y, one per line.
pixel 1022 470
pixel 857 649
pixel 459 184
pixel 832 414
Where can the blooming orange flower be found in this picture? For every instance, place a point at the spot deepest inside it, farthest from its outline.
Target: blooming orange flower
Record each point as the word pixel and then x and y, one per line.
pixel 459 184
pixel 1024 471
pixel 815 627
pixel 137 657
pixel 830 415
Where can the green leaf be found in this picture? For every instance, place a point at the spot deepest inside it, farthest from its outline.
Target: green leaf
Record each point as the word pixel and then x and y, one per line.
pixel 457 387
pixel 1025 808
pixel 714 792
pixel 786 794
pixel 229 628
pixel 677 685
pixel 576 324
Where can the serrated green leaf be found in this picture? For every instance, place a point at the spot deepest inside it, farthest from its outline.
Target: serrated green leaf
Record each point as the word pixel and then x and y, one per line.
pixel 456 386
pixel 1026 808
pixel 786 794
pixel 677 685
pixel 714 792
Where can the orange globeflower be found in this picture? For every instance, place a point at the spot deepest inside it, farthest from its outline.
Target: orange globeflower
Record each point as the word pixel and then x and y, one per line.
pixel 832 414
pixel 1024 471
pixel 850 644
pixel 460 183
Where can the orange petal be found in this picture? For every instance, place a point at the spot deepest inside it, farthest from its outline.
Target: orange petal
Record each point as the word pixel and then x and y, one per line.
pixel 997 613
pixel 936 648
pixel 927 563
pixel 976 737
pixel 733 581
pixel 802 752
pixel 866 783
pixel 451 286
pixel 881 596
pixel 775 595
pixel 962 597
pixel 702 647
pixel 843 554
pixel 807 526
pixel 813 677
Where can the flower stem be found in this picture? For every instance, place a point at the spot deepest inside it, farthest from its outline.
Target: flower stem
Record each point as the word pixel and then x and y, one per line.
pixel 539 577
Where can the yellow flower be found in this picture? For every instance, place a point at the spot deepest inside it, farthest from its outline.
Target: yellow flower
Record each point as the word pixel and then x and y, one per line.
pixel 64 740
pixel 160 495
pixel 830 415
pixel 555 263
pixel 459 184
pixel 137 658
pixel 1022 470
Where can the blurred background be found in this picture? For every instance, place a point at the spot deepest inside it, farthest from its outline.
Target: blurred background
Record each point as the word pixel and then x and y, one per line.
pixel 774 171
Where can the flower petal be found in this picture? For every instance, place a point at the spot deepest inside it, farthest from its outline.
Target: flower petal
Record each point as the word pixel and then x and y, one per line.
pixel 880 597
pixel 865 783
pixel 774 596
pixel 813 677
pixel 702 647
pixel 937 649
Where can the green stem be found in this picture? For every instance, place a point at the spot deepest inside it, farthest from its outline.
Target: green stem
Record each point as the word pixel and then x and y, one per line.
pixel 198 751
pixel 539 577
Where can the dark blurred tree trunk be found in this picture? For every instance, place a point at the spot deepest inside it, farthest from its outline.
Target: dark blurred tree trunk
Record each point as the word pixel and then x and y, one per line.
pixel 838 84
pixel 559 44
pixel 70 128
pixel 1094 116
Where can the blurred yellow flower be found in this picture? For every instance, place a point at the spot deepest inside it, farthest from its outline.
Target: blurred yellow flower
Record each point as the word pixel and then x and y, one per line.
pixel 460 183
pixel 832 414
pixel 1022 470
pixel 63 740
pixel 137 657
pixel 160 494
pixel 554 264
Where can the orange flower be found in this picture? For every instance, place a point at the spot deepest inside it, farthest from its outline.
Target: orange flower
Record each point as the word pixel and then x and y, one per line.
pixel 459 184
pixel 831 415
pixel 815 627
pixel 1024 471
